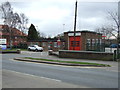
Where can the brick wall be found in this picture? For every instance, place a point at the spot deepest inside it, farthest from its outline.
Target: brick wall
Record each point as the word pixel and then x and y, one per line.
pixel 86 55
pixel 66 41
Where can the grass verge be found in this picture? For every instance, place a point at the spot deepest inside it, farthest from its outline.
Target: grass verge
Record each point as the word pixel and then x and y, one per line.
pixel 73 62
pixel 13 50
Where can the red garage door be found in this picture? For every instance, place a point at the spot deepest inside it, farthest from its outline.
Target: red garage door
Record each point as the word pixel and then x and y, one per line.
pixel 74 45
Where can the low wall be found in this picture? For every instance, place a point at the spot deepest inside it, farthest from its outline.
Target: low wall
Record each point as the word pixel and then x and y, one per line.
pixel 50 52
pixel 86 55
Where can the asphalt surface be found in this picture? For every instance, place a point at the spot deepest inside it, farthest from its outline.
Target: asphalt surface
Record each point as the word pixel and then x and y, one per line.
pixel 78 76
pixel 21 80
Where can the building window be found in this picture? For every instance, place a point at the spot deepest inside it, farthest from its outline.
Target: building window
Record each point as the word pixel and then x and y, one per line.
pixel 100 42
pixel 55 44
pixel 44 44
pixel 63 44
pixel 88 42
pixel 96 41
pixel 93 42
pixel 15 37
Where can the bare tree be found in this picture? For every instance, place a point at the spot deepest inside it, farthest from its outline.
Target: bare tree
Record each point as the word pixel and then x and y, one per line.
pixel 10 18
pixel 16 20
pixel 41 35
pixel 24 21
pixel 114 29
pixel 7 12
pixel 111 30
pixel 7 16
pixel 13 20
pixel 115 17
pixel 107 31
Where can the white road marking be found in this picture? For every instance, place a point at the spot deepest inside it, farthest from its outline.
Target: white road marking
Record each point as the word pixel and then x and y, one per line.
pixel 51 79
pixel 34 75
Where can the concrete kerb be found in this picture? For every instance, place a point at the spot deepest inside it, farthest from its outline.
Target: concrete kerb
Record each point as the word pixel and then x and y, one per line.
pixel 56 63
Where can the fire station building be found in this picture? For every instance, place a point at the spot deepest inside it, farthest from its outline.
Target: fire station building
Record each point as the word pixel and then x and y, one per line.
pixel 84 41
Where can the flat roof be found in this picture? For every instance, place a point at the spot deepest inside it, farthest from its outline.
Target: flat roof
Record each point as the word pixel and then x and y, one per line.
pixel 46 40
pixel 84 31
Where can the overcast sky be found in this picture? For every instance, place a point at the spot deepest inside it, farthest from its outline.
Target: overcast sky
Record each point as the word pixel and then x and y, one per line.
pixel 53 17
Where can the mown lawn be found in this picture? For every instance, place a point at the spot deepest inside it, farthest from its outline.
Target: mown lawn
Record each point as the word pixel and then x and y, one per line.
pixel 13 49
pixel 74 62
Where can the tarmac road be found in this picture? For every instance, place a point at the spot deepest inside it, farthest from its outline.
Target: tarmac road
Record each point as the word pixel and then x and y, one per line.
pixel 12 79
pixel 76 76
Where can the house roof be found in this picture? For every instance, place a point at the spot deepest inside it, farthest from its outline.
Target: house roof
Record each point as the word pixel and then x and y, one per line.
pixel 4 26
pixel 17 32
pixel 5 30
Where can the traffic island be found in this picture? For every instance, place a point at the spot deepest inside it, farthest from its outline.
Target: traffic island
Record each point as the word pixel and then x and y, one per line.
pixel 18 51
pixel 61 62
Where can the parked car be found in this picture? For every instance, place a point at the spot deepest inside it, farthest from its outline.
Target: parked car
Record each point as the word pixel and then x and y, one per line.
pixel 35 48
pixel 114 45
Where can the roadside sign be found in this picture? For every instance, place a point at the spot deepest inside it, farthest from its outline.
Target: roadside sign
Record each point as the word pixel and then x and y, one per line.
pixel 3 44
pixel 2 41
pixel 103 36
pixel 4 47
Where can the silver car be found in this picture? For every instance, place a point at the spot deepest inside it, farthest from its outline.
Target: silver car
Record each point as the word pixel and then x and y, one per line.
pixel 35 48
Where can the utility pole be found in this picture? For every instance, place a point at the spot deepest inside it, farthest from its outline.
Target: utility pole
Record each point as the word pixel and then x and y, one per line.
pixel 74 42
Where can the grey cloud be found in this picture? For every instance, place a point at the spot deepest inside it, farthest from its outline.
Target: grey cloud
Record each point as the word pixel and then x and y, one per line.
pixel 86 10
pixel 96 9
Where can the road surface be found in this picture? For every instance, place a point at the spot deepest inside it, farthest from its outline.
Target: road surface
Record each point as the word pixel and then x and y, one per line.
pixel 77 76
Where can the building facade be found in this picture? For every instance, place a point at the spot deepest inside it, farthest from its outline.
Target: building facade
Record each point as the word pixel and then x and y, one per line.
pixel 12 35
pixel 49 44
pixel 84 41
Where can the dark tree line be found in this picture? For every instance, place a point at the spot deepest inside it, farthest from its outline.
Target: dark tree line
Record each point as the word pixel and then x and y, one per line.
pixel 32 33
